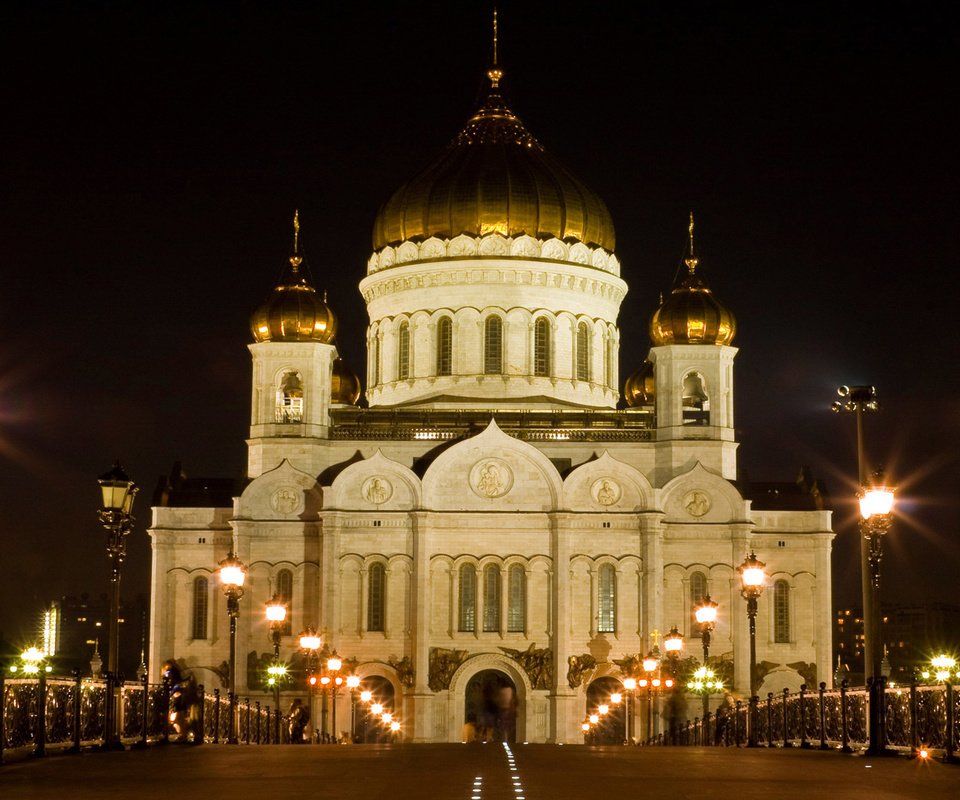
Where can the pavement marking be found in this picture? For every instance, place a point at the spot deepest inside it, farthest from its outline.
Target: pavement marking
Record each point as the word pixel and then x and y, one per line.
pixel 517 783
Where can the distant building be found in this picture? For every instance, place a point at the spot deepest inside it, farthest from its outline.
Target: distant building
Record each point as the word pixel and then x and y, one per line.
pixel 912 634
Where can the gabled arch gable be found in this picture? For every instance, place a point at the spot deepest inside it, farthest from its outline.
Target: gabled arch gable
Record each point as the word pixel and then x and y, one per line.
pixel 607 484
pixel 377 483
pixel 701 496
pixel 492 472
pixel 282 493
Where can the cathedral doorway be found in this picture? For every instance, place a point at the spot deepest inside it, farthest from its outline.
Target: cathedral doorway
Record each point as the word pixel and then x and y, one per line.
pixel 612 727
pixel 367 728
pixel 490 707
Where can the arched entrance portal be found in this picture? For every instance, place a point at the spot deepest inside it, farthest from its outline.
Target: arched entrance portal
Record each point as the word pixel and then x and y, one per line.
pixel 490 704
pixel 367 728
pixel 612 726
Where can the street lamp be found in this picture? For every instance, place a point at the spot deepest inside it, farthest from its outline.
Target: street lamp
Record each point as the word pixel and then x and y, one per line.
pixel 334 663
pixel 118 493
pixel 310 644
pixel 353 684
pixel 630 686
pixel 706 615
pixel 876 506
pixel 752 581
pixel 233 572
pixel 276 611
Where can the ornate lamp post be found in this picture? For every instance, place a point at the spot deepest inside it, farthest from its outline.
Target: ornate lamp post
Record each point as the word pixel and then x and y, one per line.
pixel 118 493
pixel 752 581
pixel 334 663
pixel 706 615
pixel 651 665
pixel 310 645
pixel 876 506
pixel 276 611
pixel 353 684
pixel 233 572
pixel 630 686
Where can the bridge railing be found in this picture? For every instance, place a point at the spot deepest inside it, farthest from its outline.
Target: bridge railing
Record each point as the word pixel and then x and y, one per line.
pixel 70 714
pixel 915 717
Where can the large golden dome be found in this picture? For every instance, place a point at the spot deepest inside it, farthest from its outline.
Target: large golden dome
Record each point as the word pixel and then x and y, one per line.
pixel 494 177
pixel 294 312
pixel 691 314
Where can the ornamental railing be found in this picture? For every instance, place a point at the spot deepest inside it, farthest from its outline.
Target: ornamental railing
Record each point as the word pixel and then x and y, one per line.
pixel 915 718
pixel 45 714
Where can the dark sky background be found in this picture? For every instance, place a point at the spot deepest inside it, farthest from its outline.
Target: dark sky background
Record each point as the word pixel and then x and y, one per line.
pixel 151 158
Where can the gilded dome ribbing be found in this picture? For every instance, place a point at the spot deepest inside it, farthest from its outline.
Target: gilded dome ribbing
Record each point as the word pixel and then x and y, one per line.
pixel 344 385
pixel 640 388
pixel 691 314
pixel 494 177
pixel 294 312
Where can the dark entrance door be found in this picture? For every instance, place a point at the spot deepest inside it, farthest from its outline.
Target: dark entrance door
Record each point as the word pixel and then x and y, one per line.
pixel 367 728
pixel 612 727
pixel 491 707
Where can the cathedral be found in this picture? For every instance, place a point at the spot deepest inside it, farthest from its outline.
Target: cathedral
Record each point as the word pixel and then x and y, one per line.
pixel 497 511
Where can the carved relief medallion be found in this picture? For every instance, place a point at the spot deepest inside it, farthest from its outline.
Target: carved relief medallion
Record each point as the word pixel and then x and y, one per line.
pixel 606 491
pixel 377 490
pixel 696 503
pixel 287 500
pixel 491 478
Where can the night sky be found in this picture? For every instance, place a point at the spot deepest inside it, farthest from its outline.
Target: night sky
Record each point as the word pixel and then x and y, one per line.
pixel 151 159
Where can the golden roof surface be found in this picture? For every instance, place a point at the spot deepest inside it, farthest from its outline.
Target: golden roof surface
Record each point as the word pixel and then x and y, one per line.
pixel 345 385
pixel 640 388
pixel 691 314
pixel 494 177
pixel 294 312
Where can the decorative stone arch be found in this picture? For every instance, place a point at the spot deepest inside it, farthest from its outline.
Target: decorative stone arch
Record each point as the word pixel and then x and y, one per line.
pixel 494 245
pixel 525 247
pixel 476 664
pixel 433 248
pixel 282 493
pixel 407 252
pixel 501 473
pixel 699 495
pixel 377 483
pixel 626 488
pixel 580 253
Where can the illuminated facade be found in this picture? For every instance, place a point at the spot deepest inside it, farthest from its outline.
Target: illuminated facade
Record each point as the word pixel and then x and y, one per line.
pixel 493 510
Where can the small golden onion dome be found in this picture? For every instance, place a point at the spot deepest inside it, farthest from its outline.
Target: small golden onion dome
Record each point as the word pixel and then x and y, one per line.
pixel 640 388
pixel 345 385
pixel 294 312
pixel 494 177
pixel 691 314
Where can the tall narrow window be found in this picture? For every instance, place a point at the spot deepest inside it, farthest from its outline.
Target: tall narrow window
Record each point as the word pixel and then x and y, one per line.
pixel 607 599
pixel 375 360
pixel 611 367
pixel 493 345
pixel 698 590
pixel 285 593
pixel 541 347
pixel 201 589
pixel 445 346
pixel 781 611
pixel 290 398
pixel 516 599
pixel 468 598
pixel 376 597
pixel 403 352
pixel 583 352
pixel 491 598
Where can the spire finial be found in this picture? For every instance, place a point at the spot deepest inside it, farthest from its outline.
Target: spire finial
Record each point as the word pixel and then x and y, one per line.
pixel 691 261
pixel 296 259
pixel 495 73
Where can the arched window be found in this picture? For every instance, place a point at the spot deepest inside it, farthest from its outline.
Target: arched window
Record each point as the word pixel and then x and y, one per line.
pixel 445 346
pixel 290 398
pixel 541 347
pixel 607 599
pixel 403 352
pixel 201 587
pixel 493 345
pixel 468 598
pixel 516 599
pixel 781 611
pixel 376 597
pixel 285 593
pixel 583 352
pixel 491 598
pixel 698 590
pixel 375 360
pixel 609 360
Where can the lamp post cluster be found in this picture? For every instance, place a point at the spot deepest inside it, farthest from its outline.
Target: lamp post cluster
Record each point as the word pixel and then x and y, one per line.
pixel 276 612
pixel 233 573
pixel 118 493
pixel 752 582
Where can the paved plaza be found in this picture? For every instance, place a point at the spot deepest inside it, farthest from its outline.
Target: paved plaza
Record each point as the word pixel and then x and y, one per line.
pixel 471 772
